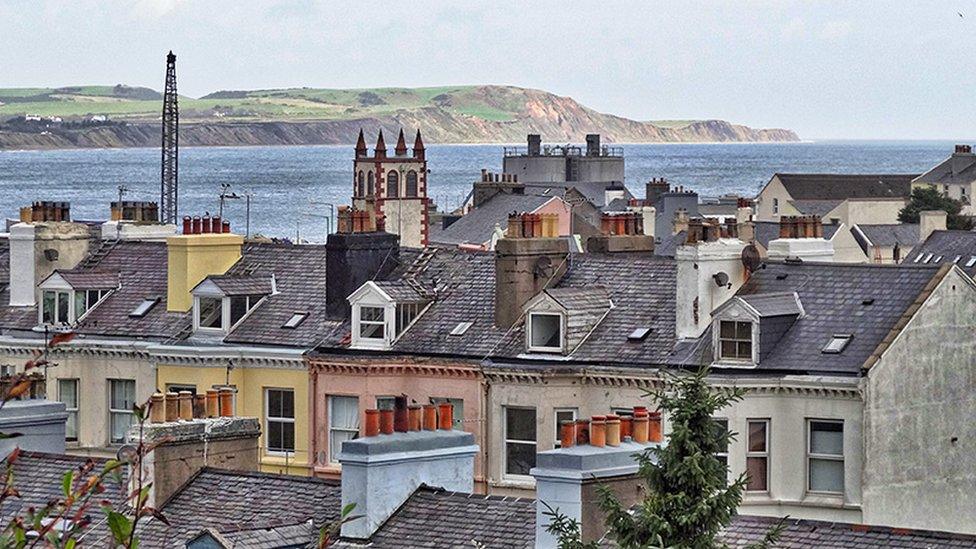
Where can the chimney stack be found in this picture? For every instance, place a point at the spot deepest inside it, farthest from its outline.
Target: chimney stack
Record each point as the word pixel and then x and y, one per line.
pixel 930 221
pixel 353 257
pixel 40 245
pixel 592 144
pixel 528 260
pixel 534 144
pixel 705 254
pixel 801 237
pixel 193 257
pixel 621 232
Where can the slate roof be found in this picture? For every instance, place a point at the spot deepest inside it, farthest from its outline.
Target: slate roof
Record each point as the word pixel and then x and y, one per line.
pixel 826 186
pixel 904 234
pixel 942 173
pixel 229 501
pixel 669 244
pixel 815 207
pixel 864 300
pixel 769 230
pixel 476 226
pixel 435 518
pixel 616 205
pixel 232 284
pixel 91 280
pixel 747 530
pixel 774 304
pixel 594 191
pixel 581 299
pixel 401 291
pixel 945 247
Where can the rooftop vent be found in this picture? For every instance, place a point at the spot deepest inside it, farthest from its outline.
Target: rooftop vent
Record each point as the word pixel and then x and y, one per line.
pixel 867 301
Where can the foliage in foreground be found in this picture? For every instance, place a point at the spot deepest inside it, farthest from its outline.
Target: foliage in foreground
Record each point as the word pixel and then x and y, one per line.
pixel 929 198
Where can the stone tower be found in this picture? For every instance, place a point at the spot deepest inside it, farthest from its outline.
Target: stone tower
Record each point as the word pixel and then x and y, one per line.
pixel 393 188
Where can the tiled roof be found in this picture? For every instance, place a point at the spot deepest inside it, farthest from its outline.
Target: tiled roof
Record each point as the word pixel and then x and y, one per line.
pixel 669 244
pixel 228 501
pixel 815 207
pixel 581 298
pixel 863 300
pixel 942 173
pixel 748 530
pixel 242 284
pixel 769 230
pixel 945 247
pixel 437 518
pixel 616 205
pixel 594 191
pixel 477 225
pixel 824 186
pixel 91 280
pixel 401 291
pixel 774 304
pixel 904 234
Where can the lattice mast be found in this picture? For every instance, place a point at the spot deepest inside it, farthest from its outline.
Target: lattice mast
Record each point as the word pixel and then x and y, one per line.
pixel 168 200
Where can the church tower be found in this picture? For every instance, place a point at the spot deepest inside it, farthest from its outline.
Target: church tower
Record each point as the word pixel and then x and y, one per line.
pixel 393 188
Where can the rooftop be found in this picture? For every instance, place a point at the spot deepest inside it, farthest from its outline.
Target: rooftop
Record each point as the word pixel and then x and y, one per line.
pixel 944 247
pixel 476 226
pixel 826 186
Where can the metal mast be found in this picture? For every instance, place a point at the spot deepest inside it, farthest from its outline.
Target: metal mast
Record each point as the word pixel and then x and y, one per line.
pixel 168 206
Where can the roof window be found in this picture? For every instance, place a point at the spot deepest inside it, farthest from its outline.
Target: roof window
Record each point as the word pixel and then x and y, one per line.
pixel 144 307
pixel 918 258
pixel 295 320
pixel 639 334
pixel 461 328
pixel 938 259
pixel 545 332
pixel 837 344
pixel 972 261
pixel 867 301
pixel 927 258
pixel 956 260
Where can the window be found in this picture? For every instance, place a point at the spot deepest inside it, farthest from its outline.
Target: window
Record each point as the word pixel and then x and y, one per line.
pixel 392 184
pixel 461 328
pixel 735 340
pixel 144 307
pixel 775 206
pixel 721 426
pixel 280 418
pixel 406 312
pixel 837 344
pixel 369 184
pixel 520 443
pixel 458 413
pixel 343 423
pixel 971 262
pixel 562 414
pixel 411 184
pixel 180 387
pixel 361 184
pixel 295 320
pixel 545 332
pixel 122 396
pixel 55 307
pixel 639 334
pixel 68 394
pixel 240 305
pixel 211 313
pixel 372 322
pixel 825 455
pixel 385 403
pixel 757 456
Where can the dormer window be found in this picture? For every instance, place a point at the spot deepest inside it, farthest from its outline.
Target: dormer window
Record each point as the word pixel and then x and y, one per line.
pixel 372 323
pixel 382 311
pixel 221 302
pixel 66 297
pixel 54 308
pixel 735 340
pixel 546 332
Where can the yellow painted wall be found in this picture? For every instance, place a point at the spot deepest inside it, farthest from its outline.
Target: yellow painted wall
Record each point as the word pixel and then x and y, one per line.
pixel 251 383
pixel 191 258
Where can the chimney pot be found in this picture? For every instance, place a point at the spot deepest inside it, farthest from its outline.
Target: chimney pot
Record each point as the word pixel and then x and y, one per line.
pixel 445 417
pixel 401 421
pixel 187 224
pixel 197 225
pixel 213 403
pixel 641 424
pixel 598 431
pixel 226 402
pixel 199 406
pixel 386 422
pixel 613 430
pixel 172 407
pixel 225 226
pixel 430 417
pixel 654 427
pixel 567 433
pixel 582 432
pixel 626 427
pixel 205 229
pixel 372 423
pixel 415 413
pixel 157 408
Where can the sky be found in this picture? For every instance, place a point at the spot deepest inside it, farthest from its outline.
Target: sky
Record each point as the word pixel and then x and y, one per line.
pixel 826 69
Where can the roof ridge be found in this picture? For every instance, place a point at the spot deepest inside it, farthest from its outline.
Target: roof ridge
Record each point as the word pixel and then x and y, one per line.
pixel 263 474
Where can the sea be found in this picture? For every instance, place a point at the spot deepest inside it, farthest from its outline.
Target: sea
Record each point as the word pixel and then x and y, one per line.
pixel 293 191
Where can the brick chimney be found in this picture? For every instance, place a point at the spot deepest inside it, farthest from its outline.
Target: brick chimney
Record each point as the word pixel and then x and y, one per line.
pixel 621 232
pixel 528 260
pixel 710 270
pixel 962 158
pixel 358 252
pixel 801 237
pixel 202 250
pixel 187 445
pixel 653 190
pixel 930 221
pixel 43 241
pixel 384 467
pixel 592 454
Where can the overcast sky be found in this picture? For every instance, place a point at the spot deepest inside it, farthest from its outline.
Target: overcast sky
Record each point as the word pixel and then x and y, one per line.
pixel 833 69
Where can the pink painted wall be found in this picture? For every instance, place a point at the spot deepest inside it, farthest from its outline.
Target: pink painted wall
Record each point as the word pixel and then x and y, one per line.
pixel 559 207
pixel 367 381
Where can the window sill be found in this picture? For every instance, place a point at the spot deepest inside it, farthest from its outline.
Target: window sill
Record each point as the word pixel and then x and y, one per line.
pixel 279 459
pixel 330 469
pixel 810 500
pixel 527 482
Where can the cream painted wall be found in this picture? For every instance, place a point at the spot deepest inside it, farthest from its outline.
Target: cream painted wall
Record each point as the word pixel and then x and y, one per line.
pixel 875 211
pixel 251 383
pixel 774 192
pixel 846 248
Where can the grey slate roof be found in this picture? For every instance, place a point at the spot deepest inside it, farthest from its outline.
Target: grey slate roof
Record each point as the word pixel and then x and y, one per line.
pixel 836 299
pixel 581 299
pixel 904 234
pixel 669 244
pixel 594 191
pixel 435 518
pixel 91 280
pixel 747 530
pixel 942 173
pixel 815 207
pixel 774 304
pixel 945 247
pixel 769 230
pixel 242 284
pixel 477 225
pixel 616 205
pixel 824 186
pixel 229 501
pixel 401 291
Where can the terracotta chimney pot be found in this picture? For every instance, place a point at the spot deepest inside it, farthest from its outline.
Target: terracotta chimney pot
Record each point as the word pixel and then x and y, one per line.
pixel 430 417
pixel 401 422
pixel 226 402
pixel 445 416
pixel 213 403
pixel 613 430
pixel 157 408
pixel 654 428
pixel 172 407
pixel 567 434
pixel 598 431
pixel 199 406
pixel 372 423
pixel 415 414
pixel 386 422
pixel 582 432
pixel 626 427
pixel 640 427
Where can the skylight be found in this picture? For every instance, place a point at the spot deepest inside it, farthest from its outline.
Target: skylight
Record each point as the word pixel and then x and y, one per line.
pixel 295 320
pixel 639 334
pixel 144 307
pixel 972 261
pixel 956 260
pixel 837 344
pixel 918 258
pixel 938 259
pixel 927 258
pixel 461 328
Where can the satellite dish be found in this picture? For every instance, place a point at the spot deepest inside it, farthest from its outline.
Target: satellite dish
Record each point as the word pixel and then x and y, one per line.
pixel 751 259
pixel 543 267
pixel 126 453
pixel 721 279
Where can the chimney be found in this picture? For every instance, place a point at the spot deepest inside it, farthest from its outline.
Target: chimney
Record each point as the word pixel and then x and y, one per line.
pixel 592 144
pixel 40 425
pixel 39 246
pixel 186 446
pixel 930 221
pixel 620 232
pixel 680 222
pixel 526 262
pixel 352 258
pixel 744 223
pixel 801 237
pixel 710 270
pixel 613 191
pixel 962 158
pixel 649 219
pixel 380 471
pixel 653 190
pixel 567 478
pixel 535 144
pixel 138 221
pixel 195 256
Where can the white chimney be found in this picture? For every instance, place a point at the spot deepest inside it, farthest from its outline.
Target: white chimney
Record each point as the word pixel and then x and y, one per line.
pixel 37 249
pixel 650 216
pixel 801 238
pixel 930 221
pixel 380 472
pixel 709 273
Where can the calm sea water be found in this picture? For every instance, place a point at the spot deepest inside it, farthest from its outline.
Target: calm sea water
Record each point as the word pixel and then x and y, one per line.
pixel 292 186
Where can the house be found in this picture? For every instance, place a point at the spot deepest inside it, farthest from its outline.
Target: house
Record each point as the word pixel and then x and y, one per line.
pixel 947 247
pixel 849 198
pixel 955 177
pixel 481 226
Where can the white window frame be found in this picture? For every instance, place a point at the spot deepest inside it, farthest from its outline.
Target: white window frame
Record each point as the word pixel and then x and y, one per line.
pixel 72 411
pixel 758 454
pixel 114 413
pixel 825 457
pixel 753 340
pixel 534 444
pixel 543 349
pixel 723 422
pixel 100 296
pixel 334 452
pixel 557 442
pixel 269 419
pixel 71 305
pixel 224 315
pixel 388 322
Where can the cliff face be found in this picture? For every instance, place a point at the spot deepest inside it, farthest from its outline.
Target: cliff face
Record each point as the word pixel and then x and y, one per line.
pixel 474 114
